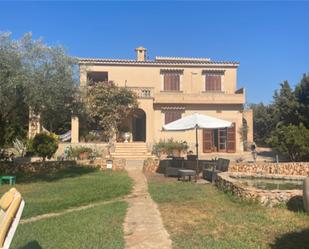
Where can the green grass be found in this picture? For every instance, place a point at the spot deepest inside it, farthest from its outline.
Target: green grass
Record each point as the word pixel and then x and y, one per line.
pixel 72 187
pixel 201 216
pixel 99 227
pixel 57 190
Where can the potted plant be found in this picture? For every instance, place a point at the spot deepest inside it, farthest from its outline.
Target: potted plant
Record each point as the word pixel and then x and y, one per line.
pixel 179 147
pixel 84 153
pixel 124 131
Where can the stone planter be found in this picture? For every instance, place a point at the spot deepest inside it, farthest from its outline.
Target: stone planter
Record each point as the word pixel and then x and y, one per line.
pixel 306 194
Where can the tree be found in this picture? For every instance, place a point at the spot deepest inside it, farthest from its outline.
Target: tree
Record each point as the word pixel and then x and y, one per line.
pixel 292 141
pixel 34 75
pixel 44 145
pixel 302 95
pixel 108 105
pixel 285 105
pixel 264 121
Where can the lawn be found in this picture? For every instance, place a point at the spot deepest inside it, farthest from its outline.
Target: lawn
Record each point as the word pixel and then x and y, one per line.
pixel 201 216
pixel 72 187
pixel 99 226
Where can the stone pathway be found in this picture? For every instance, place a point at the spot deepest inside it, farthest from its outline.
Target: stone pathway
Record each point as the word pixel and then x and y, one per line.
pixel 143 226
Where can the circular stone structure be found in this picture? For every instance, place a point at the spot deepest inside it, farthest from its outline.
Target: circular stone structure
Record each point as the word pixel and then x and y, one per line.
pixel 232 182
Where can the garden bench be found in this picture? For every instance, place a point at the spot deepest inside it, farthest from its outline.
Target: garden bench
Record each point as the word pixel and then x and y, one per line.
pixel 182 173
pixel 10 179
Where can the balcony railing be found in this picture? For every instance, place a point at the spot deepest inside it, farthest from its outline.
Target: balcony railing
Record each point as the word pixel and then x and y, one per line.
pixel 199 98
pixel 143 92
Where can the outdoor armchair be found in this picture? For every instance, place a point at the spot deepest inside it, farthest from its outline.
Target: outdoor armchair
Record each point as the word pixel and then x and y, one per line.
pixel 11 208
pixel 221 165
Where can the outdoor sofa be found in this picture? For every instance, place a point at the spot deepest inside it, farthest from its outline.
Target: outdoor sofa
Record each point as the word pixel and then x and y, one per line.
pixel 211 173
pixel 171 166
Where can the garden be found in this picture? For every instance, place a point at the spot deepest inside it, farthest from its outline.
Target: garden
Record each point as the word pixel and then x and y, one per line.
pixel 72 207
pixel 201 216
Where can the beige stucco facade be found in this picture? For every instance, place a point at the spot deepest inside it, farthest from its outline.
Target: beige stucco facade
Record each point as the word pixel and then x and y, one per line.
pixel 145 77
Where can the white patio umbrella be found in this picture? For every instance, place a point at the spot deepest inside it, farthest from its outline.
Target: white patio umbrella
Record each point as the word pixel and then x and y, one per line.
pixel 197 121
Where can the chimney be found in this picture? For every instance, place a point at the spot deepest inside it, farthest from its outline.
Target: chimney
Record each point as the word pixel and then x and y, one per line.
pixel 141 53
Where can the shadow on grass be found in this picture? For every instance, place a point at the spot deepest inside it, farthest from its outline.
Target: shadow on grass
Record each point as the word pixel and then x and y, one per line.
pixel 32 245
pixel 296 204
pixel 293 240
pixel 54 175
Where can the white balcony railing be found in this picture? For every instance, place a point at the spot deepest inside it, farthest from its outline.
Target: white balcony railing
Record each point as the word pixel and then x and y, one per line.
pixel 142 92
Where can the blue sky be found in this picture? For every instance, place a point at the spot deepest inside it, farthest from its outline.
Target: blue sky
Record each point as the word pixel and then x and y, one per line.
pixel 269 39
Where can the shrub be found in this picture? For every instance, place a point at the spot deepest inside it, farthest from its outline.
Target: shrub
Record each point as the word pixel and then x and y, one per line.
pixel 20 146
pixel 76 153
pixel 291 141
pixel 44 145
pixel 169 146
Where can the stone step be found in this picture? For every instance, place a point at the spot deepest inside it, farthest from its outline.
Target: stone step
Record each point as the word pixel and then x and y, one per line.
pixel 130 148
pixel 130 154
pixel 131 144
pixel 134 163
pixel 132 157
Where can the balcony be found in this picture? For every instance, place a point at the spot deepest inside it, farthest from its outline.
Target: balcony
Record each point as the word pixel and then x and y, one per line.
pixel 143 92
pixel 200 98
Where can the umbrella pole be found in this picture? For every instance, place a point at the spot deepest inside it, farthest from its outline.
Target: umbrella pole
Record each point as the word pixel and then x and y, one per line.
pixel 196 145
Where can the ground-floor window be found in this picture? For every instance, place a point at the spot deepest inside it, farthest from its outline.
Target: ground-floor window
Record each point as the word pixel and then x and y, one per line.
pixel 170 116
pixel 219 140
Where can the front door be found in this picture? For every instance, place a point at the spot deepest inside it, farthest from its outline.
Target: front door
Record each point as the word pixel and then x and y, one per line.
pixel 139 127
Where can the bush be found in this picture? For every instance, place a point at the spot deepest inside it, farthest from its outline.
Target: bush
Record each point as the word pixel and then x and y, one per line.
pixel 291 141
pixel 169 146
pixel 78 152
pixel 44 145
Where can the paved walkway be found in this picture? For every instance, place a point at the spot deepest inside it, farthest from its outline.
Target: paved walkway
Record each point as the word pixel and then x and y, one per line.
pixel 143 225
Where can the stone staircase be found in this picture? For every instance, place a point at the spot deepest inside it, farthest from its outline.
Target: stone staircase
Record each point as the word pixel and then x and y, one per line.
pixel 131 151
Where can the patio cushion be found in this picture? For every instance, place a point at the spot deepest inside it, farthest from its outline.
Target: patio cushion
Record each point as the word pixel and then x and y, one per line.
pixel 7 199
pixel 9 215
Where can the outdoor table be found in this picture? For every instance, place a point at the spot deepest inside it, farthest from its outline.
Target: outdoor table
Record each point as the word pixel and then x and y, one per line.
pixel 10 179
pixel 182 173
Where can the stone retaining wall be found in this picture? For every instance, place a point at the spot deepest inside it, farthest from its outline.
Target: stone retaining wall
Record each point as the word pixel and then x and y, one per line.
pixel 290 168
pixel 34 167
pixel 151 165
pixel 267 198
pixel 48 166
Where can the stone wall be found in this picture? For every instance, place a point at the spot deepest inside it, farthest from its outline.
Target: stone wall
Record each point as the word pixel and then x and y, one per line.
pixel 290 168
pixel 34 167
pixel 48 166
pixel 151 165
pixel 267 198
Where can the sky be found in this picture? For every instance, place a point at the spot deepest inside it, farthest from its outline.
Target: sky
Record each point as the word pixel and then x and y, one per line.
pixel 269 39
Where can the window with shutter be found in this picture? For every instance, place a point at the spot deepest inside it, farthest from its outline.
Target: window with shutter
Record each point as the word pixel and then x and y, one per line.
pixel 231 138
pixel 213 82
pixel 171 82
pixel 207 140
pixel 172 116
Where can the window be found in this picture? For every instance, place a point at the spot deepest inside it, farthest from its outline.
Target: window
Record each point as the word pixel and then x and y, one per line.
pixel 172 116
pixel 96 77
pixel 213 82
pixel 171 82
pixel 219 140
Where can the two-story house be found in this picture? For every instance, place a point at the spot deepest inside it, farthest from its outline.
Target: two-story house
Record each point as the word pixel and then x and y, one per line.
pixel 172 87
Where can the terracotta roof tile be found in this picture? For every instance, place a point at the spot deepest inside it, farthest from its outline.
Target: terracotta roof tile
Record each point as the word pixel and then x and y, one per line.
pixel 165 61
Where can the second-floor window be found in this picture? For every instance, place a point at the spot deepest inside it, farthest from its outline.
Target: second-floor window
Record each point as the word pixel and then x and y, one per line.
pixel 96 77
pixel 171 82
pixel 213 82
pixel 171 116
